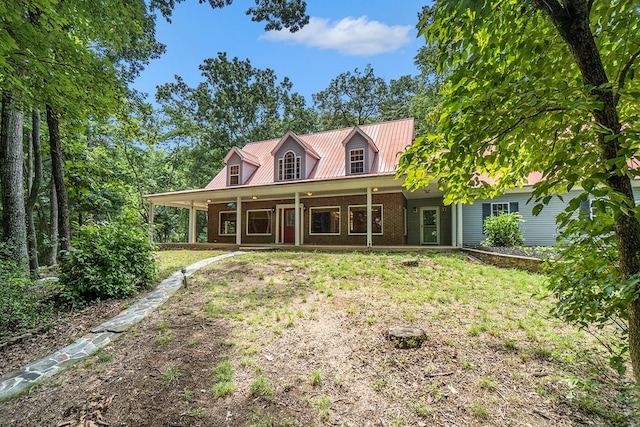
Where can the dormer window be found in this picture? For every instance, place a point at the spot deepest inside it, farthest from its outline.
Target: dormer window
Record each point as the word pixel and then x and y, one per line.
pixel 234 174
pixel 289 167
pixel 356 161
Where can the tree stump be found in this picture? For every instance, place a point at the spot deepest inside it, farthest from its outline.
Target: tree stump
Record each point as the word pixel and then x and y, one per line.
pixel 406 337
pixel 410 262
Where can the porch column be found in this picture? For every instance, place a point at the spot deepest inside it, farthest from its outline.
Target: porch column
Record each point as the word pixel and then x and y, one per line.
pixel 460 228
pixel 297 218
pixel 238 221
pixel 454 224
pixel 369 218
pixel 192 223
pixel 151 208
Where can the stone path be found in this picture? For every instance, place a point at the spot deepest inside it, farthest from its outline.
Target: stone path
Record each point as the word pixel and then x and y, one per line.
pixel 99 337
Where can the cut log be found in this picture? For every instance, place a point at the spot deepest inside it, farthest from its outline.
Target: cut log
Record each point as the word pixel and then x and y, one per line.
pixel 406 337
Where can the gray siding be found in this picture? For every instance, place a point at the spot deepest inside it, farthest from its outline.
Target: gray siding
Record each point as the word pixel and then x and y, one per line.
pixel 413 220
pixel 290 145
pixel 537 230
pixel 355 143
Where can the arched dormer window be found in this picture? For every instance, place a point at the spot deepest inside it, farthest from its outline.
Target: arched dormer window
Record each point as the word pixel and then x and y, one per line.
pixel 288 167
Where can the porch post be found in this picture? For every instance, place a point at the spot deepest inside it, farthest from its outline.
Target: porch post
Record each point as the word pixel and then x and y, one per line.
pixel 369 218
pixel 454 224
pixel 192 224
pixel 239 221
pixel 297 218
pixel 460 228
pixel 151 208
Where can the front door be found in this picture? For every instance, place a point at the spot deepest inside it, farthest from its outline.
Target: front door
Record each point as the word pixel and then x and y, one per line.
pixel 429 226
pixel 288 225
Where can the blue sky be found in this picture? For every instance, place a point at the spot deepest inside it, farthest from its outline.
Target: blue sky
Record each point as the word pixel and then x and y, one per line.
pixel 342 35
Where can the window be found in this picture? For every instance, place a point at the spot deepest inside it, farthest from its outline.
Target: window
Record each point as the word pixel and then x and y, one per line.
pixel 356 161
pixel 498 208
pixel 358 219
pixel 234 174
pixel 259 222
pixel 325 220
pixel 227 223
pixel 289 167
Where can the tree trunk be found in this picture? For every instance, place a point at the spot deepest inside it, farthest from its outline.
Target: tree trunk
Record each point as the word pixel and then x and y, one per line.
pixel 571 20
pixel 53 230
pixel 34 182
pixel 57 167
pixel 11 180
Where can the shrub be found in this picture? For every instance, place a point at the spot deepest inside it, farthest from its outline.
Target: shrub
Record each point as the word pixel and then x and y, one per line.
pixel 503 230
pixel 108 261
pixel 24 304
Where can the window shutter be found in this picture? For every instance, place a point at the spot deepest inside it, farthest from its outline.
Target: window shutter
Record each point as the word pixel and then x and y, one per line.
pixel 585 209
pixel 486 211
pixel 513 207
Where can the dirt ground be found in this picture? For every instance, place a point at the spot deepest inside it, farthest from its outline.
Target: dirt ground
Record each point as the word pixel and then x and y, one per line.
pixel 324 362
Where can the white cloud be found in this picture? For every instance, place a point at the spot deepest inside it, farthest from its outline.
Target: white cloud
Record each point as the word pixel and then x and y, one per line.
pixel 349 36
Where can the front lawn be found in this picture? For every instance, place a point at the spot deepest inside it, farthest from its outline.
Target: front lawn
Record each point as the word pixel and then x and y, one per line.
pixel 298 339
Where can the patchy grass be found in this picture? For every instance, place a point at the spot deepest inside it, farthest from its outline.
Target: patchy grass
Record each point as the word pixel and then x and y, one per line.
pixel 171 261
pixel 297 339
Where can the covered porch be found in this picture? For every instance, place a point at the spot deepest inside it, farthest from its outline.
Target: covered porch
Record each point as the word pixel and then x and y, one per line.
pixel 411 219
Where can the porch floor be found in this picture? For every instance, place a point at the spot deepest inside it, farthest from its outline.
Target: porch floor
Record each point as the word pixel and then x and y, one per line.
pixel 281 247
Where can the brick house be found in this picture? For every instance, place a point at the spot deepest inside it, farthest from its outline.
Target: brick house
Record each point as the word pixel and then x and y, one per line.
pixel 339 187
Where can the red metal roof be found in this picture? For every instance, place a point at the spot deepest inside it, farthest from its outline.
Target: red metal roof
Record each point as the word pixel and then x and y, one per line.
pixel 391 138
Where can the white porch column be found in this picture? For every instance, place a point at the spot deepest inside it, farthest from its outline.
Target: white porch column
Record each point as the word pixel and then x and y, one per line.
pixel 192 223
pixel 369 219
pixel 460 228
pixel 238 221
pixel 151 208
pixel 297 218
pixel 454 224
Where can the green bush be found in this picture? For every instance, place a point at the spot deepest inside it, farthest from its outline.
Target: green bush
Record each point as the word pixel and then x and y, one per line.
pixel 24 304
pixel 108 261
pixel 503 230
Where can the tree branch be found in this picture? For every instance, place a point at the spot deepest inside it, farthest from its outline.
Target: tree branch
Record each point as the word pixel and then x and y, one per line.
pixel 520 120
pixel 623 75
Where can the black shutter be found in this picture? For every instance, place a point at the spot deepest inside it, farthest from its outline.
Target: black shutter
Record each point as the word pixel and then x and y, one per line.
pixel 585 209
pixel 486 211
pixel 513 207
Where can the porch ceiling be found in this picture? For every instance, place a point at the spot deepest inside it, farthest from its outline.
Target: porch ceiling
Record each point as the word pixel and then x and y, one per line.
pixel 286 190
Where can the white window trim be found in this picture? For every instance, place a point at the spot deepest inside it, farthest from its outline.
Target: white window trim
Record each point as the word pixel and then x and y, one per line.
pixel 324 207
pixel 220 223
pixel 259 234
pixel 365 206
pixel 351 162
pixel 296 173
pixel 233 174
pixel 501 203
pixel 405 224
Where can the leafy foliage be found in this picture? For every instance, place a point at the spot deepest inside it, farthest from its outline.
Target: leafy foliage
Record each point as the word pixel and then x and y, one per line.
pixel 108 261
pixel 587 282
pixel 356 98
pixel 24 304
pixel 528 91
pixel 503 230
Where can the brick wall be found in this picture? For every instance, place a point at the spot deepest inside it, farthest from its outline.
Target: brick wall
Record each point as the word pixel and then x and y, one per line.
pixel 393 208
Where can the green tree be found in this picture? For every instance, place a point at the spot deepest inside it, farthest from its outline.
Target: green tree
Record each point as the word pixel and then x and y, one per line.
pixel 542 86
pixel 235 104
pixel 351 99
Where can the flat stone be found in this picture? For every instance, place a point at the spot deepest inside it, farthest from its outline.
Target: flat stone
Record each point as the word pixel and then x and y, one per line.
pixel 41 365
pixel 406 337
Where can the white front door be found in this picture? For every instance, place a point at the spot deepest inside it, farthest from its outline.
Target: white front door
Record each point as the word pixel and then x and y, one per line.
pixel 430 226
